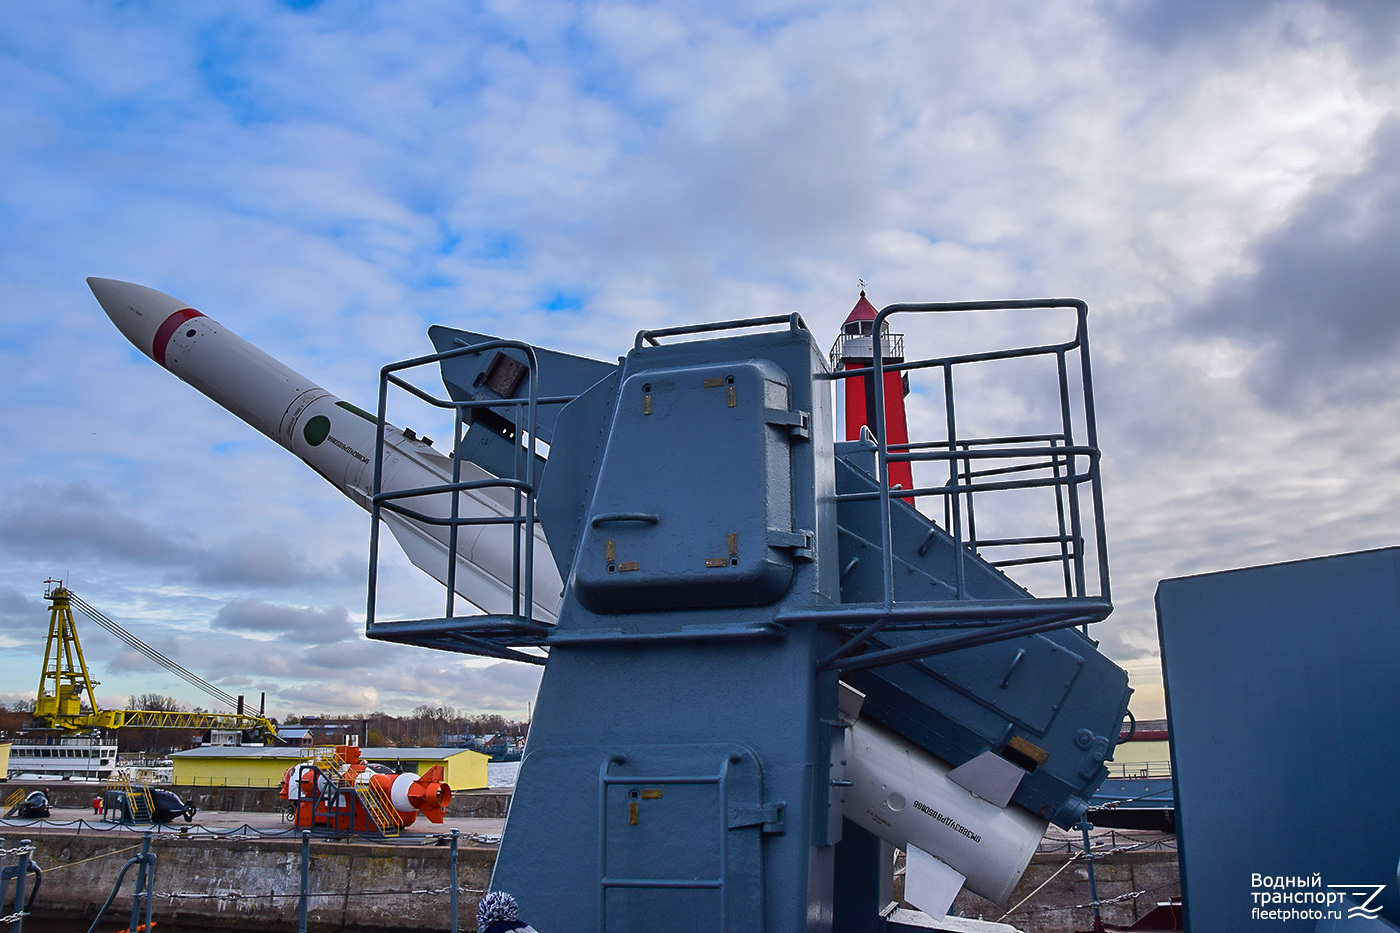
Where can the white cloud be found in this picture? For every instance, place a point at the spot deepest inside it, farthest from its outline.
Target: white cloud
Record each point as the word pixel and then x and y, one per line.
pixel 328 184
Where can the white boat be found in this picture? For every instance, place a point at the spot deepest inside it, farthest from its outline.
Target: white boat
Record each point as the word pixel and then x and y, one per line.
pixel 67 757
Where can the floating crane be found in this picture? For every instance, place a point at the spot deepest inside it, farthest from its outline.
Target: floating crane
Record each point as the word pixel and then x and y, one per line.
pixel 64 682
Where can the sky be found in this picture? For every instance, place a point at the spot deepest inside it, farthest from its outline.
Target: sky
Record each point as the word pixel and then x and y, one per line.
pixel 1220 182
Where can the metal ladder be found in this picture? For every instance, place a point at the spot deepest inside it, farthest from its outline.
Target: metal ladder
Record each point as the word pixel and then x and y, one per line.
pixel 140 806
pixel 376 803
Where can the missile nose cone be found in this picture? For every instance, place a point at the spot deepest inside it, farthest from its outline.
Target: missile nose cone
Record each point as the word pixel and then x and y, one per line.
pixel 142 314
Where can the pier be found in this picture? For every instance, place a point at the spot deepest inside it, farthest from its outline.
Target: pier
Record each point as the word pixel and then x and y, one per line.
pixel 241 870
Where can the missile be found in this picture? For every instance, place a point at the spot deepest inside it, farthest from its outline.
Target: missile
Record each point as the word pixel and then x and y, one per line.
pixel 957 826
pixel 336 439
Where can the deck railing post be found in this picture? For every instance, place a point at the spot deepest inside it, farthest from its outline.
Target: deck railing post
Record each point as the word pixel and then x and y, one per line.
pixel 453 862
pixel 305 879
pixel 1084 827
pixel 145 877
pixel 21 869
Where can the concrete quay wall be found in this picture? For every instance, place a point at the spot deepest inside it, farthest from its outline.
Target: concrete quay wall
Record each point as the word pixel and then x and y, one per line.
pixel 236 883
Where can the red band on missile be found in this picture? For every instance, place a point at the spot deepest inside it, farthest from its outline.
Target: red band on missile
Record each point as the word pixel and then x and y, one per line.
pixel 167 330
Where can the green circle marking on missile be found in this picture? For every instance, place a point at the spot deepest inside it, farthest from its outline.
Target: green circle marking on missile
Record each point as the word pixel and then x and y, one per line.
pixel 316 430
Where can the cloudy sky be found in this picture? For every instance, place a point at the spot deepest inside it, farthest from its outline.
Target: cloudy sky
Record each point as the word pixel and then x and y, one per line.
pixel 1221 182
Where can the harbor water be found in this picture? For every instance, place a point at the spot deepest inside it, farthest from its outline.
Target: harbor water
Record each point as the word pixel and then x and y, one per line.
pixel 502 773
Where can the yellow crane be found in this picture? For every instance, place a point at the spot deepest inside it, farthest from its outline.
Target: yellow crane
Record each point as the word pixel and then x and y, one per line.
pixel 65 682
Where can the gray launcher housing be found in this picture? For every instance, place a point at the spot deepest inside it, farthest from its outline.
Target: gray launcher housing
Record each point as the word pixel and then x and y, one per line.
pixel 726 563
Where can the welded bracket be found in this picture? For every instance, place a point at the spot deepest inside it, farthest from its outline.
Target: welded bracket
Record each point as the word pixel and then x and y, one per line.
pixel 771 817
pixel 798 423
pixel 799 542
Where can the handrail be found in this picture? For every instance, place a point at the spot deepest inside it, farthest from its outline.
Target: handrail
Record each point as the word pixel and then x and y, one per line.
pixel 1061 457
pixel 523 486
pixel 1024 461
pixel 384 811
pixel 794 321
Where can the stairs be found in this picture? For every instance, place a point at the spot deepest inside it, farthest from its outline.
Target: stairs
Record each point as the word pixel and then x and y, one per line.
pixel 140 807
pixel 370 796
pixel 381 809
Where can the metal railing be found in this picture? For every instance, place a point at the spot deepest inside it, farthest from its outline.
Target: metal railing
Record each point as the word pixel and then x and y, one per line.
pixel 395 886
pixel 376 803
pixel 1055 460
pixel 1063 461
pixel 859 346
pixel 135 802
pixel 1139 769
pixel 653 336
pixel 492 635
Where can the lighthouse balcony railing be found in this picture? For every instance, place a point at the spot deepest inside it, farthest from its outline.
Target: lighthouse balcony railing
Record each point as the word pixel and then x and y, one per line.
pixel 850 347
pixel 1062 462
pixel 499 635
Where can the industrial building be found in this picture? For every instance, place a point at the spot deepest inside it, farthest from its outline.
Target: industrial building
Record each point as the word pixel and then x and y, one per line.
pixel 262 766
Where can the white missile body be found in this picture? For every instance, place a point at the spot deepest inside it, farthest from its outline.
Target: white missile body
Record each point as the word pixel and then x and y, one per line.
pixel 336 439
pixel 914 801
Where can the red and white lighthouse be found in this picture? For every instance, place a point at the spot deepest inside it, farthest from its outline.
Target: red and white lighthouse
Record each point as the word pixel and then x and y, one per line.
pixel 855 400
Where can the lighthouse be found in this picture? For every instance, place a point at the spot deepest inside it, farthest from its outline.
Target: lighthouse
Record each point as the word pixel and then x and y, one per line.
pixel 855 400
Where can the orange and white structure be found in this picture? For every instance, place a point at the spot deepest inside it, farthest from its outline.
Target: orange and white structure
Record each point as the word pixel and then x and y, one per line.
pixel 855 396
pixel 336 789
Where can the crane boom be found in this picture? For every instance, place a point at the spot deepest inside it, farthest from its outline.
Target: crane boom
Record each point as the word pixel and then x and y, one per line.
pixel 65 682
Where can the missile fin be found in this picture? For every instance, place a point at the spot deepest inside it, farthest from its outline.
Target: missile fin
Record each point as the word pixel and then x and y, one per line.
pixel 930 883
pixel 989 776
pixel 430 555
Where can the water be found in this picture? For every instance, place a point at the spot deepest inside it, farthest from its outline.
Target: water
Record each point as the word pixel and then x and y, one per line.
pixel 113 920
pixel 502 773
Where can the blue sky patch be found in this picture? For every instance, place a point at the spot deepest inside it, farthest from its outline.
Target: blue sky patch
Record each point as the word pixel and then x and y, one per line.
pixel 560 300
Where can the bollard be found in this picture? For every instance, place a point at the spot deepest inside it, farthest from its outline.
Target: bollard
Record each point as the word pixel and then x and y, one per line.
pixel 452 860
pixel 305 879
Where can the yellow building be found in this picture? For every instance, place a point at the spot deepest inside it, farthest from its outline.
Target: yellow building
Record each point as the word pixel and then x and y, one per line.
pixel 5 759
pixel 257 766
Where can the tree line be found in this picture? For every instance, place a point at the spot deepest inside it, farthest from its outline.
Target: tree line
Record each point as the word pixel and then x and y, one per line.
pixel 427 725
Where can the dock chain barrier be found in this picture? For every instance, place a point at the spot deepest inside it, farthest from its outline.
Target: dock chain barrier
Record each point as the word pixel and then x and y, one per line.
pixel 145 894
pixel 145 887
pixel 245 831
pixel 18 873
